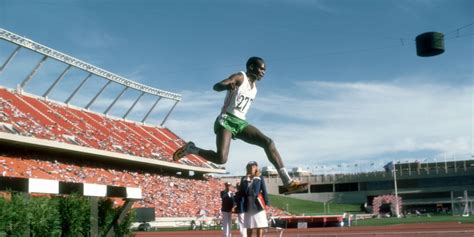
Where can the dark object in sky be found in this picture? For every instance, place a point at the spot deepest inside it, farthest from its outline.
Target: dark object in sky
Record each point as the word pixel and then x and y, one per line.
pixel 429 44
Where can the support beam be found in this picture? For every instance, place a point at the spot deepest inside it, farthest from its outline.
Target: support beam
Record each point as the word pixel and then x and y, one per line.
pixel 10 58
pixel 33 72
pixel 169 112
pixel 94 218
pixel 116 99
pixel 152 107
pixel 57 81
pixel 133 105
pixel 97 95
pixel 119 217
pixel 78 88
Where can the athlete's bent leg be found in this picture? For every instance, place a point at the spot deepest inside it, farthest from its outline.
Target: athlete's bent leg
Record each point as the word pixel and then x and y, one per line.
pixel 223 138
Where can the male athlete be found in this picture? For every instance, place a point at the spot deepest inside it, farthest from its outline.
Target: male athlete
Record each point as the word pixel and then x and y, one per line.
pixel 230 124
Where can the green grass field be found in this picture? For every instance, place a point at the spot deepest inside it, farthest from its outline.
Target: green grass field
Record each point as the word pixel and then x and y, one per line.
pixel 303 207
pixel 413 220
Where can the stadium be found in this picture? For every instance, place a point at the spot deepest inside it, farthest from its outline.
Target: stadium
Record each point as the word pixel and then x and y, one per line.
pixel 78 159
pixel 55 148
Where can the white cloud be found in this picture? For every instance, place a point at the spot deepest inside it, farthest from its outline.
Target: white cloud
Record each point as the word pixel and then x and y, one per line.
pixel 322 5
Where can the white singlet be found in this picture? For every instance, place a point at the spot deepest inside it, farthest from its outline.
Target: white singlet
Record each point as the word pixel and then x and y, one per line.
pixel 237 102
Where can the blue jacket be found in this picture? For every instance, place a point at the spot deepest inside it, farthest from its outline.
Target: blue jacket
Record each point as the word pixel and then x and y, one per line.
pixel 238 202
pixel 258 185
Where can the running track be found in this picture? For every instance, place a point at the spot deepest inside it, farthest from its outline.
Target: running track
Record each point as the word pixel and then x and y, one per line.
pixel 418 230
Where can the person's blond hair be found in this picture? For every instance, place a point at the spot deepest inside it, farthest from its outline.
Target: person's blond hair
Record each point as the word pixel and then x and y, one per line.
pixel 257 173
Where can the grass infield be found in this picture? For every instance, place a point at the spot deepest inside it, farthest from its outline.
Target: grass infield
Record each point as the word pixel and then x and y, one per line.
pixel 304 207
pixel 308 208
pixel 413 220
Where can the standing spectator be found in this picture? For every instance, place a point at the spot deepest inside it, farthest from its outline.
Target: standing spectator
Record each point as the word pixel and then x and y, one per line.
pixel 239 210
pixel 202 217
pixel 255 217
pixel 227 197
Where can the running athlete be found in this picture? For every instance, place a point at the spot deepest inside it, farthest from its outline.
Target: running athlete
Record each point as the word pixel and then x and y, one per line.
pixel 231 124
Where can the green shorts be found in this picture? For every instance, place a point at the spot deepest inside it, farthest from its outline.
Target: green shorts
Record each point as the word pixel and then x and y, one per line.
pixel 231 123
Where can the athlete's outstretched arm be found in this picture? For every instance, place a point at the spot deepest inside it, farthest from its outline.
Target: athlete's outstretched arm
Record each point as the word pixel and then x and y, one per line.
pixel 231 83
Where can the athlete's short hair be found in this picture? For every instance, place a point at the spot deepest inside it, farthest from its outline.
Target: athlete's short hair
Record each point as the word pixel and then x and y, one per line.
pixel 254 61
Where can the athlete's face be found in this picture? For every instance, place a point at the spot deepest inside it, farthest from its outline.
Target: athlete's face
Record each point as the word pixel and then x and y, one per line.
pixel 258 70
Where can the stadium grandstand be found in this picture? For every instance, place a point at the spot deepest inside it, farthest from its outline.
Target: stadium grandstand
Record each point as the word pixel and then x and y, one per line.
pixel 46 139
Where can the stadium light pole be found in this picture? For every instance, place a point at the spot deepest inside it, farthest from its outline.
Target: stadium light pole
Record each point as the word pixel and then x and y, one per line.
pixel 397 209
pixel 390 166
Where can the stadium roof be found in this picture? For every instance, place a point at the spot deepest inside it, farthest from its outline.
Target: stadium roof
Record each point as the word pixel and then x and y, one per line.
pixel 71 62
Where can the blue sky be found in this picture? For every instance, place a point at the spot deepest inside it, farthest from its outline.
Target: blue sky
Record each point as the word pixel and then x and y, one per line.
pixel 343 83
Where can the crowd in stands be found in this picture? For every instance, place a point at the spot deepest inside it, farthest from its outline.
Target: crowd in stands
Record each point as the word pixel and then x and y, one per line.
pixel 28 116
pixel 171 196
